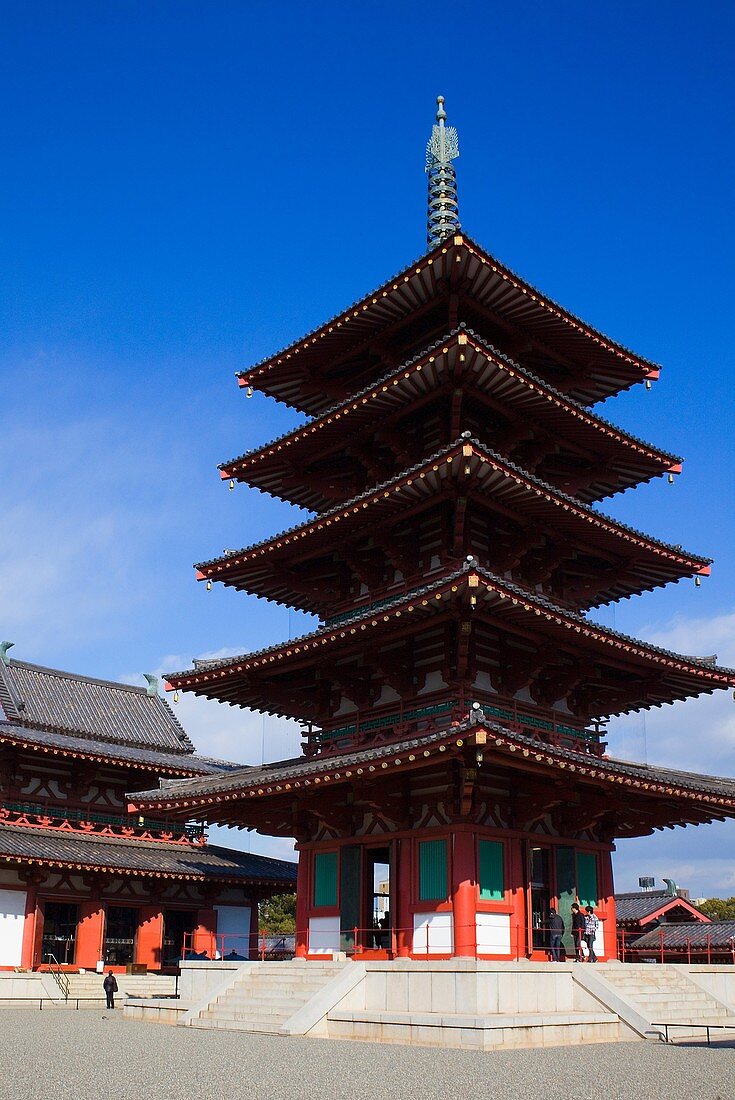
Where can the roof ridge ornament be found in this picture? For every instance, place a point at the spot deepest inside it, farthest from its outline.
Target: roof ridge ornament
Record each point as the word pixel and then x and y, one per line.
pixel 4 647
pixel 441 150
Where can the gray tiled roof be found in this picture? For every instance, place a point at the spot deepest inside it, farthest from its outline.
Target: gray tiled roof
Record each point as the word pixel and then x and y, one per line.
pixel 493 352
pixel 286 770
pixel 718 933
pixel 47 699
pixel 49 845
pixel 184 761
pixel 636 907
pixel 525 594
pixel 534 481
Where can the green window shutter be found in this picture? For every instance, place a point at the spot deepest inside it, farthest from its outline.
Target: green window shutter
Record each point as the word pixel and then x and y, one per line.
pixel 492 885
pixel 432 870
pixel 587 878
pixel 325 878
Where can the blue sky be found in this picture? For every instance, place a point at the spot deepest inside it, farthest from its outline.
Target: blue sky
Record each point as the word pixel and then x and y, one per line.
pixel 187 187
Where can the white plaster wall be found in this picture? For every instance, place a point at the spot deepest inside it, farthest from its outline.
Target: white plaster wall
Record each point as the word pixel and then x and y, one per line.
pixel 12 918
pixel 493 933
pixel 323 935
pixel 440 939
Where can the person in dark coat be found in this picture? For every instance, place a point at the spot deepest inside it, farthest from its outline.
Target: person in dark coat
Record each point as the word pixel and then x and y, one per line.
pixel 110 987
pixel 556 931
pixel 578 931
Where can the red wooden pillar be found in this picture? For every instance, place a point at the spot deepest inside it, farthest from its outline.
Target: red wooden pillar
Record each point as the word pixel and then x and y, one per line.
pixel 204 938
pixel 29 927
pixel 464 894
pixel 519 920
pixel 90 933
pixel 302 906
pixel 606 901
pixel 403 921
pixel 149 943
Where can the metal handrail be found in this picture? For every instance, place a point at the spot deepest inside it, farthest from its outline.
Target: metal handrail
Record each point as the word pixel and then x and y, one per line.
pixel 61 979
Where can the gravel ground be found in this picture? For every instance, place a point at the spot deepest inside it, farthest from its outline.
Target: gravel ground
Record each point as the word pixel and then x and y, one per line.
pixel 83 1055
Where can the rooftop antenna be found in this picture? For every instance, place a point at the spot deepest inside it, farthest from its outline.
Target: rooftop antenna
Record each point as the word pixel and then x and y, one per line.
pixel 441 150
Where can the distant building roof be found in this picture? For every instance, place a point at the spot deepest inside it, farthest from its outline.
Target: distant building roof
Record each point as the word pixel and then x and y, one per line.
pixel 164 761
pixel 639 908
pixel 718 934
pixel 47 699
pixel 51 847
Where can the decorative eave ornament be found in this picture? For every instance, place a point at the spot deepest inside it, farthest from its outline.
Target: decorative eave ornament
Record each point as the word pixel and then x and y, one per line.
pixel 441 150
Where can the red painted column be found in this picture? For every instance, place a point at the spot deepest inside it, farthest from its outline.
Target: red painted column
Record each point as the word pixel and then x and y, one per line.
pixel 519 920
pixel 149 943
pixel 606 902
pixel 29 928
pixel 90 933
pixel 204 939
pixel 302 906
pixel 404 895
pixel 464 894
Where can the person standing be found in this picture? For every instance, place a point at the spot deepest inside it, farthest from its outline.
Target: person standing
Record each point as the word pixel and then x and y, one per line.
pixel 578 931
pixel 110 987
pixel 556 931
pixel 591 924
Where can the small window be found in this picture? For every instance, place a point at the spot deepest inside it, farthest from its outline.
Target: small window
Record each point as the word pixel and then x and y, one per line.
pixel 492 885
pixel 587 878
pixel 325 879
pixel 432 870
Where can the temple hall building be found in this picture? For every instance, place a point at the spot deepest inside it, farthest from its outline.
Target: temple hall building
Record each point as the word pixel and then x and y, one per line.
pixel 456 691
pixel 82 880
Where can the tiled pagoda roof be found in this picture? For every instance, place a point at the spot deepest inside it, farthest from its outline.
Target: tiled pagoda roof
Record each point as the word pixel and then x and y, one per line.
pixel 680 676
pixel 46 699
pixel 209 797
pixel 590 366
pixel 52 848
pixel 633 460
pixel 493 477
pixel 716 934
pixel 636 907
pixel 131 756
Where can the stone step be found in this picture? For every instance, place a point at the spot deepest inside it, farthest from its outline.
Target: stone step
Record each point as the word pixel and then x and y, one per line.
pixel 248 1016
pixel 281 1004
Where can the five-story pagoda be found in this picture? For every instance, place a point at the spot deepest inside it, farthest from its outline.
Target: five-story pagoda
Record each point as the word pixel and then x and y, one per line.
pixel 453 785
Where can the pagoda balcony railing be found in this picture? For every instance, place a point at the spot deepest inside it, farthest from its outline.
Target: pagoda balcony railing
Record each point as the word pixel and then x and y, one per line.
pixel 378 727
pixel 92 823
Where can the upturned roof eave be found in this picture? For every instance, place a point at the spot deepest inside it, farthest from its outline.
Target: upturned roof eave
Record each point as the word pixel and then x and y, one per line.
pixel 299 649
pixel 219 568
pixel 547 307
pixel 287 778
pixel 339 409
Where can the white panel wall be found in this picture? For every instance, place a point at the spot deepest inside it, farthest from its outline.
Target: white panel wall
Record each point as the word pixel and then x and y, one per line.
pixel 493 933
pixel 12 918
pixel 323 935
pixel 440 934
pixel 233 921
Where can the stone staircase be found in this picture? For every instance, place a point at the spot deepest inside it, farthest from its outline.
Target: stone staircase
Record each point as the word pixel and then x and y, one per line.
pixel 88 987
pixel 265 996
pixel 665 994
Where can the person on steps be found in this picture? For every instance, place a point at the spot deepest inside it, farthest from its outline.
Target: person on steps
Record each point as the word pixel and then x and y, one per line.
pixel 591 924
pixel 578 931
pixel 110 987
pixel 556 931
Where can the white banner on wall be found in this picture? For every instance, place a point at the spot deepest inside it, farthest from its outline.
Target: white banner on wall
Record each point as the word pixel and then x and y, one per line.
pixel 12 919
pixel 433 934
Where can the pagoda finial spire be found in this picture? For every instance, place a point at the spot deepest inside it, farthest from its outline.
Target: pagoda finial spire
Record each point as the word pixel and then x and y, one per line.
pixel 441 150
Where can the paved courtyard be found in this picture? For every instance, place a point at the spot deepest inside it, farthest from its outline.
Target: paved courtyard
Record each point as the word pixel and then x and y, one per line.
pixel 82 1055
